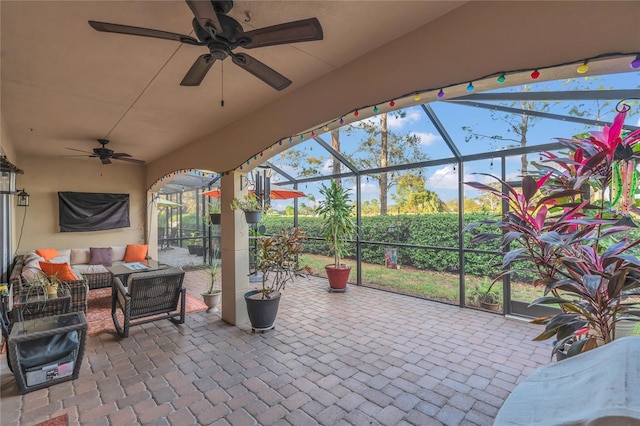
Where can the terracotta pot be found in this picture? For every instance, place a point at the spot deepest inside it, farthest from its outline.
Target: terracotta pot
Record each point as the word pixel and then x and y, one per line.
pixel 338 277
pixel 262 312
pixel 212 300
pixel 490 306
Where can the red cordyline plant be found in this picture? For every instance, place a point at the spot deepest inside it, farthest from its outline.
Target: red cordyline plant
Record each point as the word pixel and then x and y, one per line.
pixel 580 250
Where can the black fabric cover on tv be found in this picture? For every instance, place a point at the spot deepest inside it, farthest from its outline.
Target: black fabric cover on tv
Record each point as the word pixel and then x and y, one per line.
pixel 90 211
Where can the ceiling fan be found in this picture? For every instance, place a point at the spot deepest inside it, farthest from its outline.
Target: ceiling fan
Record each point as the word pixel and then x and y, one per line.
pixel 222 34
pixel 105 154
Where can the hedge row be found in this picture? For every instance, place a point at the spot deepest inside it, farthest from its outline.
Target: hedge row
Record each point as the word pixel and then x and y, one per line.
pixel 434 229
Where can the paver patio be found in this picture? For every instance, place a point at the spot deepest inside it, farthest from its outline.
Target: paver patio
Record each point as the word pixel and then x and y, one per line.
pixel 361 358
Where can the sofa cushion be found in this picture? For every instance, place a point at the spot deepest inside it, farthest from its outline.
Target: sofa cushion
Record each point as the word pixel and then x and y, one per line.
pixel 117 253
pixel 62 271
pixel 136 253
pixel 101 256
pixel 64 252
pixel 90 269
pixel 59 259
pixel 80 256
pixel 47 253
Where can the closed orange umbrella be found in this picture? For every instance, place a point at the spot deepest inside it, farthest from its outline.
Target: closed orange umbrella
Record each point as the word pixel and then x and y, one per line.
pixel 277 193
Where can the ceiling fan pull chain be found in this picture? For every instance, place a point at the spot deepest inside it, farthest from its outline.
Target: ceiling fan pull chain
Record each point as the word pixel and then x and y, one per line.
pixel 222 83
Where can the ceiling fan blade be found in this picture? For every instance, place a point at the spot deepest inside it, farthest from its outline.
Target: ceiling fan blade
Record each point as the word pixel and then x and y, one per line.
pixel 289 32
pixel 130 160
pixel 144 32
pixel 262 71
pixel 198 70
pixel 119 154
pixel 79 150
pixel 205 14
pixel 105 160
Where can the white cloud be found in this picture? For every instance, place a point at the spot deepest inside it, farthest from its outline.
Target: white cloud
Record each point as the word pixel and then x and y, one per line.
pixel 411 116
pixel 447 178
pixel 428 138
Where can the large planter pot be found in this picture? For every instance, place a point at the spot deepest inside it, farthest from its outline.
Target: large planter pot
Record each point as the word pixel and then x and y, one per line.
pixel 338 277
pixel 212 300
pixel 262 312
pixel 253 217
pixel 215 218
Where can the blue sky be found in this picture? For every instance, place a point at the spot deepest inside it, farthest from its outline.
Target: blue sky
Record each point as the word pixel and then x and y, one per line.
pixel 444 179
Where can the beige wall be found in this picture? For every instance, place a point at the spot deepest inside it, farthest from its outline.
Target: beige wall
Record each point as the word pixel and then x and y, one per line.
pixel 474 40
pixel 44 177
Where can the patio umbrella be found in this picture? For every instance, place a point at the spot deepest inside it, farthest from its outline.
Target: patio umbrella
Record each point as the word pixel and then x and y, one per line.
pixel 276 193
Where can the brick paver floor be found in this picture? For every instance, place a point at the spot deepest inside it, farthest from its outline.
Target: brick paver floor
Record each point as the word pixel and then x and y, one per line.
pixel 364 357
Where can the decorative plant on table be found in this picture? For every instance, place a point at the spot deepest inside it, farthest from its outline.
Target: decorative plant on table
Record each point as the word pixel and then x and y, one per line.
pixel 581 247
pixel 338 226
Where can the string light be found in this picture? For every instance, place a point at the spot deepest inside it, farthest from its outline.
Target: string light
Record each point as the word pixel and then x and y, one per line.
pixel 375 109
pixel 535 74
pixel 355 114
pixel 280 142
pixel 416 97
pixel 470 87
pixel 636 62
pixel 583 68
pixel 313 134
pixel 501 79
pixel 325 128
pixel 290 140
pixel 441 93
pixel 301 137
pixel 341 121
pixel 392 104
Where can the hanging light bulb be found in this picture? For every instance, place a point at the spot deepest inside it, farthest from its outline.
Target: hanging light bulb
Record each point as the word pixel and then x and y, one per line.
pixel 535 74
pixel 583 68
pixel 501 79
pixel 325 128
pixel 301 137
pixel 416 97
pixel 441 94
pixel 375 109
pixel 392 104
pixel 355 114
pixel 341 121
pixel 470 87
pixel 636 62
pixel 313 134
pixel 290 140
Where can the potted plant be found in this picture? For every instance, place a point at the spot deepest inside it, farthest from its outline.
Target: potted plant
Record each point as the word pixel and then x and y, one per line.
pixel 212 295
pixel 194 245
pixel 485 296
pixel 278 264
pixel 214 212
pixel 339 225
pixel 251 206
pixel 562 226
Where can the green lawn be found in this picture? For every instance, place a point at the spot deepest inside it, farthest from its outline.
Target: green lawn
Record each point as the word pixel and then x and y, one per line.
pixel 429 284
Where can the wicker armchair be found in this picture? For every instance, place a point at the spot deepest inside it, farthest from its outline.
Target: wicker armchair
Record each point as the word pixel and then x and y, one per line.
pixel 147 296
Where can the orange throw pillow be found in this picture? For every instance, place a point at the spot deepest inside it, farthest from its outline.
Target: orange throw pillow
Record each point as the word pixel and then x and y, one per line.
pixel 62 271
pixel 47 253
pixel 136 253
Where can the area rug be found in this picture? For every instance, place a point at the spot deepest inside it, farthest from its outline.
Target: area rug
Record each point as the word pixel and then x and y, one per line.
pixel 99 310
pixel 62 420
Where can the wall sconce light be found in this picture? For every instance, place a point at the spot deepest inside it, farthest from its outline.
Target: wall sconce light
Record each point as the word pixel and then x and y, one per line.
pixel 8 174
pixel 23 199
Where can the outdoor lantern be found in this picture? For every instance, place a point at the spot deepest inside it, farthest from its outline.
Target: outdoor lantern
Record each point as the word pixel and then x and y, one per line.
pixel 391 229
pixel 8 174
pixel 23 199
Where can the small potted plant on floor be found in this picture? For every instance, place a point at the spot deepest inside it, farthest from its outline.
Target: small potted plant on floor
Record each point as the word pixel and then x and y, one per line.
pixel 212 295
pixel 338 226
pixel 485 296
pixel 278 264
pixel 251 206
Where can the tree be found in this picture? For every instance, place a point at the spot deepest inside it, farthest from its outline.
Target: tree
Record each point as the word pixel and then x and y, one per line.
pixel 370 208
pixel 381 148
pixel 412 197
pixel 301 160
pixel 518 125
pixel 487 202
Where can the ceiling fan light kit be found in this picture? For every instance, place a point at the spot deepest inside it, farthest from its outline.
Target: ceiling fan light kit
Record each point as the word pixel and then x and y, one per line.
pixel 222 34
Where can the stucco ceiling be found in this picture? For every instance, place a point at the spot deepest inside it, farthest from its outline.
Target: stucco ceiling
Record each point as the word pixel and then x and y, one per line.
pixel 64 85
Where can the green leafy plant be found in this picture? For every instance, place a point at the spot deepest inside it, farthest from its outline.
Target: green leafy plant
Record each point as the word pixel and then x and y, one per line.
pixel 338 224
pixel 278 260
pixel 485 292
pixel 577 243
pixel 248 203
pixel 214 271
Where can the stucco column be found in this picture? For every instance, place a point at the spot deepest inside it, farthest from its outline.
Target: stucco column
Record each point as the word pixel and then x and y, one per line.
pixel 235 251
